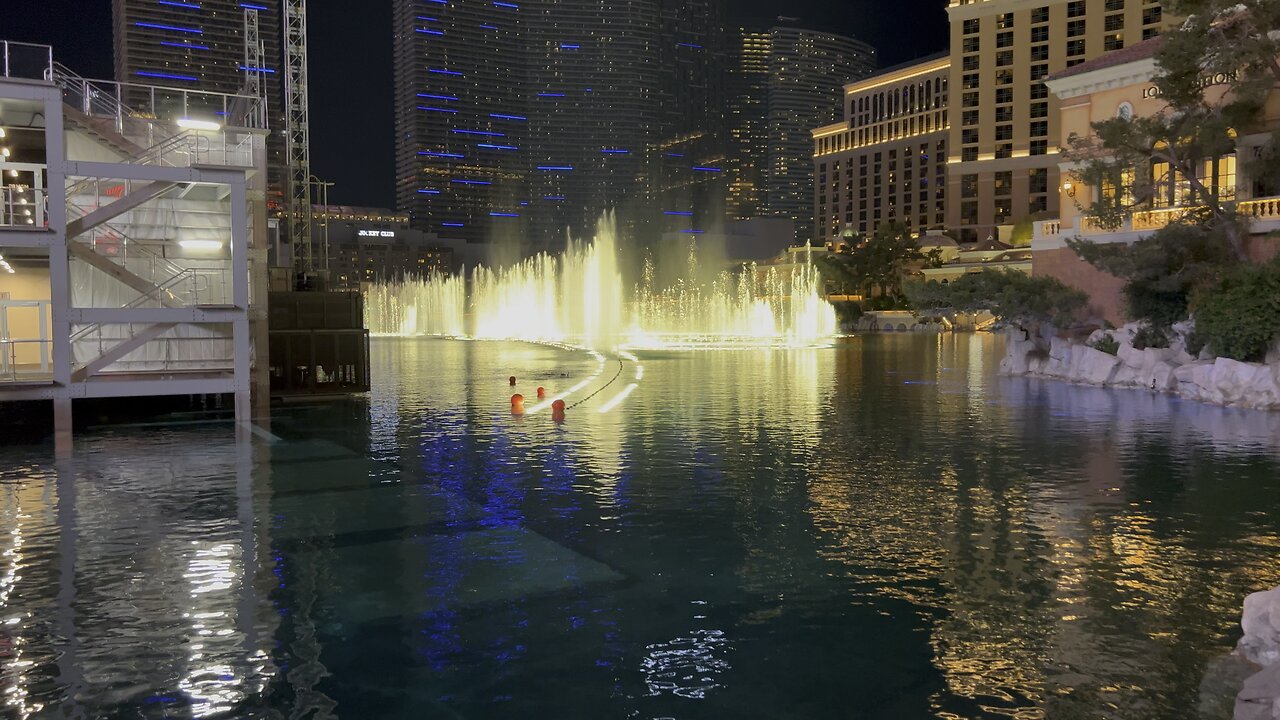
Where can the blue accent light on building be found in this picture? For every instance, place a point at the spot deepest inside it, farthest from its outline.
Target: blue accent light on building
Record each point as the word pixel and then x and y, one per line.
pixel 167 76
pixel 252 6
pixel 444 72
pixel 555 167
pixel 521 118
pixel 430 153
pixel 471 182
pixel 513 6
pixel 428 108
pixel 690 45
pixel 452 225
pixel 554 197
pixel 437 97
pixel 569 46
pixel 425 191
pixel 615 151
pixel 489 27
pixel 550 94
pixel 246 68
pixel 188 46
pixel 188 6
pixel 175 28
pixel 498 214
pixel 479 132
pixel 424 18
pixel 693 232
pixel 678 212
pixel 497 147
pixel 425 31
pixel 706 169
pixel 675 155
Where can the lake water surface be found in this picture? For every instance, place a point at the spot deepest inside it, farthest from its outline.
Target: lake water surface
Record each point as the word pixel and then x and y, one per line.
pixel 883 529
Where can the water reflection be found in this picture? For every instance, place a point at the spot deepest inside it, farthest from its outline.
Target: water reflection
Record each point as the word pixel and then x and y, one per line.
pixel 752 533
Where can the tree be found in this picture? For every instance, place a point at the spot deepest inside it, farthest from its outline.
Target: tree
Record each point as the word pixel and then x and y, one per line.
pixel 1014 298
pixel 882 260
pixel 1162 271
pixel 1136 162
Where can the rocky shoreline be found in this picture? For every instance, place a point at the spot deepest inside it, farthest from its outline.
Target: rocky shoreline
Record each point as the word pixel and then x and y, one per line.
pixel 1172 370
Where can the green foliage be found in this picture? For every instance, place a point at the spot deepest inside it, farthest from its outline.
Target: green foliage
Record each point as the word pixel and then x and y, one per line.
pixel 1013 297
pixel 1023 231
pixel 837 272
pixel 1162 270
pixel 847 312
pixel 881 261
pixel 1239 315
pixel 1150 336
pixel 1106 344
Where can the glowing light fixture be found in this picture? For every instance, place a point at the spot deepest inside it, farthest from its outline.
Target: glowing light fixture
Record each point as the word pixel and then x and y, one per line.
pixel 205 245
pixel 194 124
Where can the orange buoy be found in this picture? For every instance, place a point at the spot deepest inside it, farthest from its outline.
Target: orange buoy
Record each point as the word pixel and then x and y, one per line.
pixel 517 404
pixel 512 380
pixel 542 392
pixel 557 410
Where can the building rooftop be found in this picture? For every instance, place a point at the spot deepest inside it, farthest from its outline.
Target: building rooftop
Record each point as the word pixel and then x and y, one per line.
pixel 1142 51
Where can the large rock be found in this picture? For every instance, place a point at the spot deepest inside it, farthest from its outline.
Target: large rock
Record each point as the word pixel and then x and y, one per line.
pixel 1261 624
pixel 1162 377
pixel 1094 366
pixel 1260 698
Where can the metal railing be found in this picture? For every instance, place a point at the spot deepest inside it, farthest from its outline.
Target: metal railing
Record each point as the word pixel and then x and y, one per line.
pixel 121 102
pixel 24 358
pixel 26 61
pixel 23 207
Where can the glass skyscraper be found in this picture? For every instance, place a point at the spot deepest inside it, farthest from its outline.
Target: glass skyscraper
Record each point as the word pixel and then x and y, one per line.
pixel 527 120
pixel 786 81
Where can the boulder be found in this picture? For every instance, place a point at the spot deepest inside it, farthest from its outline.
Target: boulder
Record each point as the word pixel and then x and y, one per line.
pixel 1094 366
pixel 1261 624
pixel 1162 377
pixel 1126 376
pixel 1260 697
pixel 1273 355
pixel 1193 378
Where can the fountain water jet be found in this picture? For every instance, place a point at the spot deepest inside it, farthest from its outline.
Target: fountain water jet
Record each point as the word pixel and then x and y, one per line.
pixel 579 297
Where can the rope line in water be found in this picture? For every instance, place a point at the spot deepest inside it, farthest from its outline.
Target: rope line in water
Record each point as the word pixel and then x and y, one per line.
pixel 602 388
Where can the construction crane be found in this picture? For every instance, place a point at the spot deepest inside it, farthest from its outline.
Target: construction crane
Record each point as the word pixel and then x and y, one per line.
pixel 298 131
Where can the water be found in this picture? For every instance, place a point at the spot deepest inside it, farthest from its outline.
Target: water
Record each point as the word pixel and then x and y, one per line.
pixel 580 296
pixel 882 529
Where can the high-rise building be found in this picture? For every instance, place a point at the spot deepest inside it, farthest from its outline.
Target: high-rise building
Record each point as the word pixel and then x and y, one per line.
pixel 788 81
pixel 886 161
pixel 528 120
pixel 201 46
pixel 1003 163
pixel 462 125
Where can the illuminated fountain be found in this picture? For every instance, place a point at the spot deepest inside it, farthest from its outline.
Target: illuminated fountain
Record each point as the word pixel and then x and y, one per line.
pixel 579 297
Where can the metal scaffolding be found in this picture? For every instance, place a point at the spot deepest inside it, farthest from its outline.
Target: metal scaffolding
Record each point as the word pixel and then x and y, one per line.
pixel 297 126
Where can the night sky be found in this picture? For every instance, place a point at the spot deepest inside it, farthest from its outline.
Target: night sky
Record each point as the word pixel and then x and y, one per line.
pixel 350 63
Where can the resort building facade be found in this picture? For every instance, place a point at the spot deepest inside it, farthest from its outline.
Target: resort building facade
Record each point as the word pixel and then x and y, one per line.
pixel 1004 135
pixel 1121 85
pixel 886 161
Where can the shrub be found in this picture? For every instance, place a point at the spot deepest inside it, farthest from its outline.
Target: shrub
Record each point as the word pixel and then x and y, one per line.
pixel 1238 316
pixel 1106 344
pixel 1013 297
pixel 1150 336
pixel 847 312
pixel 1161 271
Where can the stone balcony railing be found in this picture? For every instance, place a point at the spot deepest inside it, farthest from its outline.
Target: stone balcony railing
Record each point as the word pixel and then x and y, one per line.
pixel 1263 214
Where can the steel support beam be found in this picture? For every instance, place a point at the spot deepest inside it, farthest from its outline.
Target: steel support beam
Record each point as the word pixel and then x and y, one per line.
pixel 103 361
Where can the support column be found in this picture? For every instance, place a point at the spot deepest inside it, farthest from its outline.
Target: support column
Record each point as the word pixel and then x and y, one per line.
pixel 59 270
pixel 241 342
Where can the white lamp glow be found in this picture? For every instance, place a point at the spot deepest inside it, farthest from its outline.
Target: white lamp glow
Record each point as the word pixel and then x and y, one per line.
pixel 193 124
pixel 200 244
